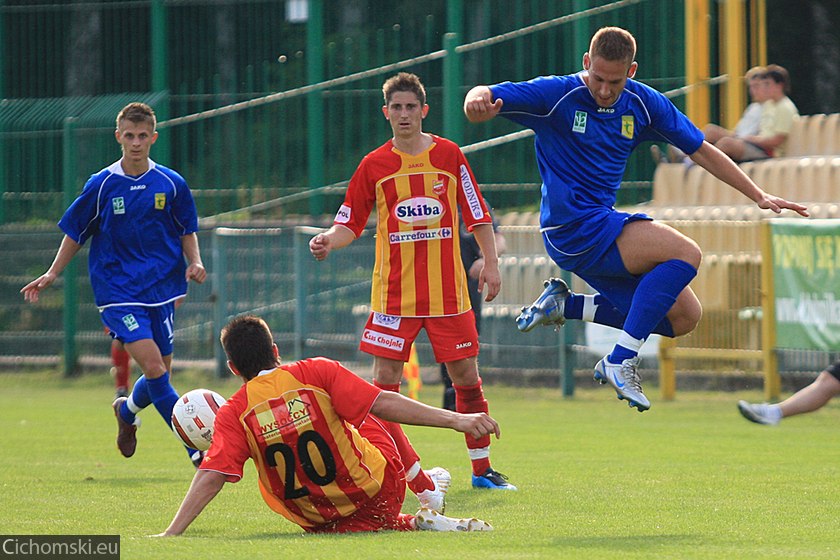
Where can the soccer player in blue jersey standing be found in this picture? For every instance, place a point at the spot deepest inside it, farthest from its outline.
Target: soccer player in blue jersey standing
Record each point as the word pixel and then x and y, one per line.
pixel 142 222
pixel 586 126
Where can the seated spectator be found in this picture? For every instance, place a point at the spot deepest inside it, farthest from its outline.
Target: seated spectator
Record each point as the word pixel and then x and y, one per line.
pixel 764 126
pixel 777 115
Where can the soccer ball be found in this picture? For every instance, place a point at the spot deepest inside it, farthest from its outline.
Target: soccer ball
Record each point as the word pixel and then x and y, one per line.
pixel 193 417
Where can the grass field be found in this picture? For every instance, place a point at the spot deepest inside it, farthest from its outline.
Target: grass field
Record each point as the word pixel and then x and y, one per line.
pixel 688 479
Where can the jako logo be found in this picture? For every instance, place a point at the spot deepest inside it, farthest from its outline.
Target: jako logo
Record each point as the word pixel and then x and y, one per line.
pixel 463 345
pixel 419 210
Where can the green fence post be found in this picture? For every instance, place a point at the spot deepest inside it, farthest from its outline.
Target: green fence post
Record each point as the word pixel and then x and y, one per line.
pixel 71 283
pixel 218 278
pixel 314 102
pixel 453 122
pixel 159 75
pixel 301 252
pixel 566 341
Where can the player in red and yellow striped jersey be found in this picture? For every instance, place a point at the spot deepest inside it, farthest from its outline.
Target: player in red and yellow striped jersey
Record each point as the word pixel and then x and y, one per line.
pixel 417 183
pixel 324 458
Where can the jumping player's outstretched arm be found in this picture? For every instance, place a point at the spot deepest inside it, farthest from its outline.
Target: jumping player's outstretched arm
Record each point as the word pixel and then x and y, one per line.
pixel 721 166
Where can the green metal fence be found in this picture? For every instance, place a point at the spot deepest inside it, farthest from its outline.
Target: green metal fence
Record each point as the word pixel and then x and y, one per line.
pixel 306 119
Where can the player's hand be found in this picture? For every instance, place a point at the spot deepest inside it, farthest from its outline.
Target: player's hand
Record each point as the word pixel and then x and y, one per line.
pixel 489 282
pixel 479 105
pixel 478 425
pixel 777 204
pixel 320 246
pixel 32 290
pixel 196 272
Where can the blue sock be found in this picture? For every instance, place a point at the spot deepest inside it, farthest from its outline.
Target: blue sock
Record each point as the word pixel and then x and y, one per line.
pixel 605 313
pixel 656 294
pixel 140 393
pixel 163 396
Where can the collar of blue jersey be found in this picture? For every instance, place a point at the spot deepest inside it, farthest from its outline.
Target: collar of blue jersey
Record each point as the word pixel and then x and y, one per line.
pixel 117 168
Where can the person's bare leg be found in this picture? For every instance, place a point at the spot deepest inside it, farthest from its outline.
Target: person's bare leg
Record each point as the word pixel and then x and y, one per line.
pixel 813 397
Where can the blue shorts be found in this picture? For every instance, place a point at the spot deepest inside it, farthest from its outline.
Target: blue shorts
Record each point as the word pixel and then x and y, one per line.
pixel 130 323
pixel 600 264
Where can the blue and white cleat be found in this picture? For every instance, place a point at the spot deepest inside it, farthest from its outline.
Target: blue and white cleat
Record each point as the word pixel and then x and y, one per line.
pixel 546 309
pixel 625 379
pixel 492 480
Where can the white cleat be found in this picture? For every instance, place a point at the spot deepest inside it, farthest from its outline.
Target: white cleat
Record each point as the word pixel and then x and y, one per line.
pixel 625 379
pixel 430 520
pixel 435 499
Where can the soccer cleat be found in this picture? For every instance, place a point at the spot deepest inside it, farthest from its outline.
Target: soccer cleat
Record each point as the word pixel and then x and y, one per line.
pixel 546 309
pixel 435 499
pixel 759 413
pixel 431 520
pixel 493 480
pixel 122 392
pixel 127 433
pixel 625 379
pixel 196 458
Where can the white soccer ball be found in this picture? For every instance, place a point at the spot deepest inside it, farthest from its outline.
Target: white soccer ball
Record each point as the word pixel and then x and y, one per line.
pixel 193 417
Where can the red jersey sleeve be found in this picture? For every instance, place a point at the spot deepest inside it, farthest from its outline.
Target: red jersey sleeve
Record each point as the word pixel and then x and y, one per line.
pixel 358 200
pixel 229 450
pixel 474 209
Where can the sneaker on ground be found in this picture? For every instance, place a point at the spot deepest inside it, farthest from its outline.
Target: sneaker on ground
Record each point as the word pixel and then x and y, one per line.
pixel 625 379
pixel 759 413
pixel 431 520
pixel 435 499
pixel 126 433
pixel 493 480
pixel 546 309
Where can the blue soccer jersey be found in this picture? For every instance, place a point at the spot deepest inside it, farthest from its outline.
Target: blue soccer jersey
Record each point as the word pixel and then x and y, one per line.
pixel 582 149
pixel 135 225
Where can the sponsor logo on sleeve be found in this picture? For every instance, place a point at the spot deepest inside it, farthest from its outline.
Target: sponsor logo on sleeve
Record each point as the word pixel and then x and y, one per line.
pixel 387 321
pixel 471 193
pixel 343 214
pixel 383 340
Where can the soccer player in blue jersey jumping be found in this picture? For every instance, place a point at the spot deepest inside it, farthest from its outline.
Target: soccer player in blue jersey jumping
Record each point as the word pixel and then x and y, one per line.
pixel 142 222
pixel 586 126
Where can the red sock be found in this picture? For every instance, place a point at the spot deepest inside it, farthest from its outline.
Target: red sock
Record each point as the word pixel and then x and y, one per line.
pixel 408 455
pixel 470 399
pixel 120 359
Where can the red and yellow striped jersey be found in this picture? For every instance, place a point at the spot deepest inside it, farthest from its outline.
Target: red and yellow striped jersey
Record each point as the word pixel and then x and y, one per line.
pixel 418 270
pixel 297 423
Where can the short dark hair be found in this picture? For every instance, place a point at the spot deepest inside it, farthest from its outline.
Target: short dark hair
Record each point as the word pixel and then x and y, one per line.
pixel 404 81
pixel 137 113
pixel 779 75
pixel 249 345
pixel 613 44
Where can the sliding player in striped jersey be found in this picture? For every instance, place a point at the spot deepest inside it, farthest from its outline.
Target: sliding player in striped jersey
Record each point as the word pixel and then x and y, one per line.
pixel 417 182
pixel 324 458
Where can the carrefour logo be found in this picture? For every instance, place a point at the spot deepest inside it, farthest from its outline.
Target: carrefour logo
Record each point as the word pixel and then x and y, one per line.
pixel 419 210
